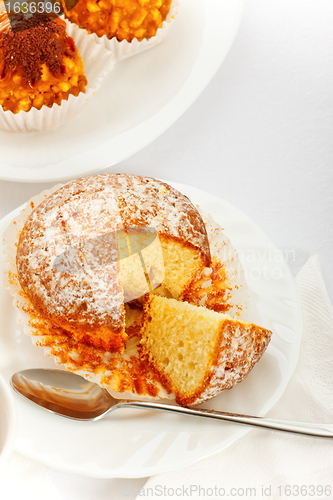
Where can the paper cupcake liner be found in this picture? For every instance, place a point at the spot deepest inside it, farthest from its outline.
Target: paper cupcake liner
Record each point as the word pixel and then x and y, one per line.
pixel 97 63
pixel 110 370
pixel 124 49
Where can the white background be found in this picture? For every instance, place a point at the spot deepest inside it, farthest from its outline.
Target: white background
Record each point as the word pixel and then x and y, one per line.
pixel 259 136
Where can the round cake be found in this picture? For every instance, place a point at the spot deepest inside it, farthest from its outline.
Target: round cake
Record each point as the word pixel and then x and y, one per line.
pixel 39 63
pixel 70 258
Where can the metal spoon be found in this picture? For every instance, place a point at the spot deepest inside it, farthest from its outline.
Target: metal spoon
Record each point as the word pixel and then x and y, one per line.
pixel 72 396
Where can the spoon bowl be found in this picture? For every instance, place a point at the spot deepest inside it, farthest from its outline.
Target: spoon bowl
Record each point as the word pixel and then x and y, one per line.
pixel 64 393
pixel 71 396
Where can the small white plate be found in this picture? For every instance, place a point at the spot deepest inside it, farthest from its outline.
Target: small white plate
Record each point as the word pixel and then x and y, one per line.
pixel 133 443
pixel 137 101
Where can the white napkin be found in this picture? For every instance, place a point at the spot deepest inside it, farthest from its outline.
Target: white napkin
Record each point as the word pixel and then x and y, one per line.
pixel 276 464
pixel 272 463
pixel 25 479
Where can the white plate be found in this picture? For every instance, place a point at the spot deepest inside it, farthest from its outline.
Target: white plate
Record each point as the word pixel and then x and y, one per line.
pixel 133 443
pixel 138 100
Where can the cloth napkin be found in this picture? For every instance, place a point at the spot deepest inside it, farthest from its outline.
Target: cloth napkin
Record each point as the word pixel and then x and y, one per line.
pixel 263 464
pixel 276 464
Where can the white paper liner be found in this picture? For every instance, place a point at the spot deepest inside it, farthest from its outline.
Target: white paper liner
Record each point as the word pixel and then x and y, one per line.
pixel 220 246
pixel 124 49
pixel 97 63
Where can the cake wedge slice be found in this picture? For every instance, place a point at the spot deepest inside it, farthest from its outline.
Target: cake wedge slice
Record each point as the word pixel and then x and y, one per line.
pixel 197 352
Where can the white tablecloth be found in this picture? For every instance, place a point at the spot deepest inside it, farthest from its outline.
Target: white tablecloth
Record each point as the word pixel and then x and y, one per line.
pixel 259 136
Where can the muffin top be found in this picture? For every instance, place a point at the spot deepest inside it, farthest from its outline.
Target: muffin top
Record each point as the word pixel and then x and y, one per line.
pixel 122 19
pixel 96 207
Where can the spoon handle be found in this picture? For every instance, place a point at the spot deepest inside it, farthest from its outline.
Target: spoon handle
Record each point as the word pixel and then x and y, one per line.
pixel 321 430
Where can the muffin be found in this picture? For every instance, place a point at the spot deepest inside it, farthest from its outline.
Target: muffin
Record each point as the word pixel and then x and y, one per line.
pixel 122 19
pixel 71 262
pixel 103 271
pixel 39 63
pixel 221 287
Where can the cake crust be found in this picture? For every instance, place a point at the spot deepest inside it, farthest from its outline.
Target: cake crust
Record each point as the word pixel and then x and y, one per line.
pixel 40 64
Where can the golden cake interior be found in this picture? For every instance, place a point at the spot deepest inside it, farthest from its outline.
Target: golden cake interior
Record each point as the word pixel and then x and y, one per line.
pixel 181 262
pixel 104 241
